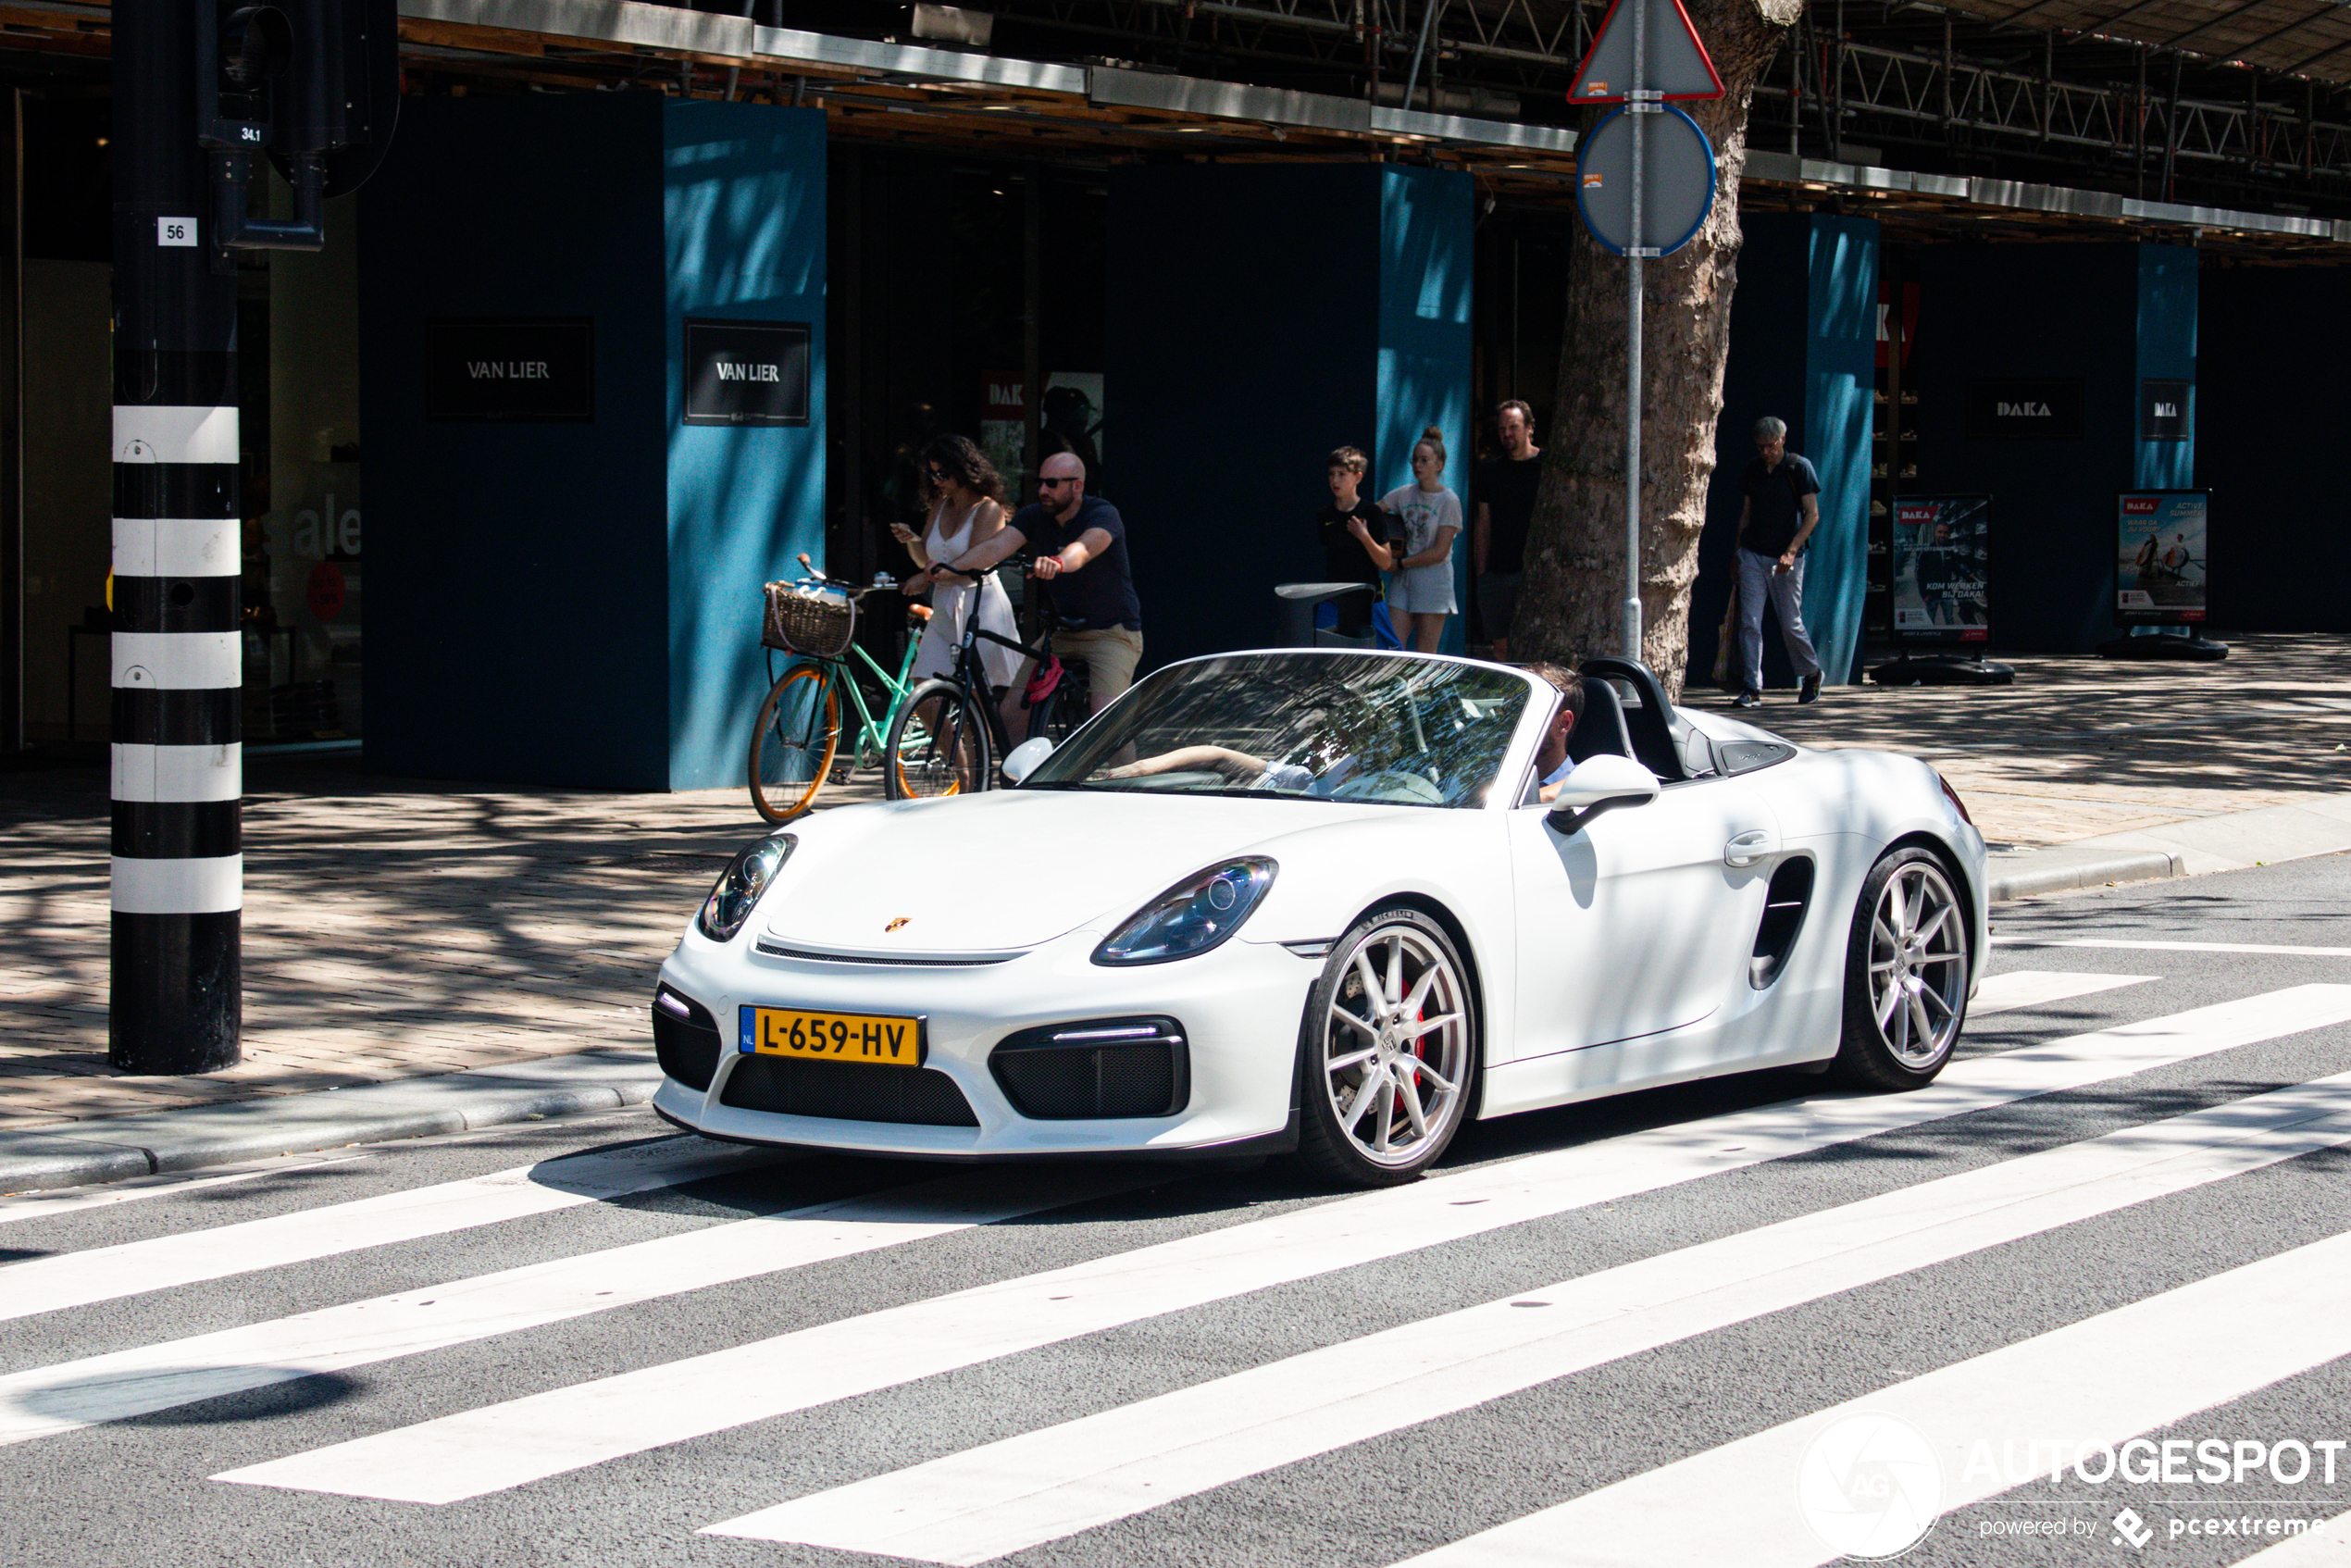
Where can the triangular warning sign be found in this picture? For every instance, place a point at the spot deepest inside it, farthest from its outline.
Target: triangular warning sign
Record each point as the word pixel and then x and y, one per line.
pixel 1677 65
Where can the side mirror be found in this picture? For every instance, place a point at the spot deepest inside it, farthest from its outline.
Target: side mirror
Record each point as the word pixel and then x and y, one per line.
pixel 1600 784
pixel 1022 760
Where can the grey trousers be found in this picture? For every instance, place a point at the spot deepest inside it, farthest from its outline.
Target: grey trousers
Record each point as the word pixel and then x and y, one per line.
pixel 1760 578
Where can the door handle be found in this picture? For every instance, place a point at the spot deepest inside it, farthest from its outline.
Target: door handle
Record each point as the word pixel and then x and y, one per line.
pixel 1746 848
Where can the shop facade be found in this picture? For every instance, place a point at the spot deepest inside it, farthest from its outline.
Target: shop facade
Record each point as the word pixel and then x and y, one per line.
pixel 1202 284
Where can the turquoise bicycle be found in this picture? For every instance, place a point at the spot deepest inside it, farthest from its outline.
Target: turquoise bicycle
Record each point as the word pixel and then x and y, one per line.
pixel 796 744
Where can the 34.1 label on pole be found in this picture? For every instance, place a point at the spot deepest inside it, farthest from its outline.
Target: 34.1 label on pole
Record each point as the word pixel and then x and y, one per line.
pixel 1675 64
pixel 1677 175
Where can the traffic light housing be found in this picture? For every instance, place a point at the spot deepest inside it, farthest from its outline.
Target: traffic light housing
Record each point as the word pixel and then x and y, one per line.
pixel 313 84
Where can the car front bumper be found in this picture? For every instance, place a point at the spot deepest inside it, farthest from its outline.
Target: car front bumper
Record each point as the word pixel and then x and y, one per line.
pixel 1240 1007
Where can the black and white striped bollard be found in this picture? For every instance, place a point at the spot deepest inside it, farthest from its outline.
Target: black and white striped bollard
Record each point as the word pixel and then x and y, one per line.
pixel 178 663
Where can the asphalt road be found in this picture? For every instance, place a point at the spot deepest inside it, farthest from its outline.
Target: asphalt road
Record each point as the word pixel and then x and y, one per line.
pixel 1742 1323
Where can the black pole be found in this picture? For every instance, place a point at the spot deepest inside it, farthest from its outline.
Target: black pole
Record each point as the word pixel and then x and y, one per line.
pixel 178 663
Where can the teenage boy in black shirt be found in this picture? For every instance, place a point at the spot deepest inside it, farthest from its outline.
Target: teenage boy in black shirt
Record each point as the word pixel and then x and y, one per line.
pixel 1356 535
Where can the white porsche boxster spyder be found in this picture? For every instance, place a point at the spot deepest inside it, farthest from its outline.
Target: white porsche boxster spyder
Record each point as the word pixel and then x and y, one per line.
pixel 1311 900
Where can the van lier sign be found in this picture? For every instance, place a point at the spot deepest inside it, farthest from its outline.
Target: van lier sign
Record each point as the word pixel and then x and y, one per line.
pixel 747 372
pixel 496 369
pixel 2036 408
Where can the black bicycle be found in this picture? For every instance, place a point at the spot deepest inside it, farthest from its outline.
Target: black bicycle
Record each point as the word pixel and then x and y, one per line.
pixel 948 738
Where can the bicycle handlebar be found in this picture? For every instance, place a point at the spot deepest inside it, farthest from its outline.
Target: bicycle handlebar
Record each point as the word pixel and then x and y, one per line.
pixel 854 589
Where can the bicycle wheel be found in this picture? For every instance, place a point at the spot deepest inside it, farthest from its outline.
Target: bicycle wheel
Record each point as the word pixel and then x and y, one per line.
pixel 792 746
pixel 937 745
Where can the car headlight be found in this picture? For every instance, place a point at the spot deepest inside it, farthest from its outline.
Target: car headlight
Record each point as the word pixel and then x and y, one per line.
pixel 746 876
pixel 1192 917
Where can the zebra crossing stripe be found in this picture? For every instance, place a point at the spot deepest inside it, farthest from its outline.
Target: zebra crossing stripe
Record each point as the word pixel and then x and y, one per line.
pixel 1005 1497
pixel 79 1279
pixel 517 1441
pixel 2038 987
pixel 70 1395
pixel 2175 947
pixel 2089 1382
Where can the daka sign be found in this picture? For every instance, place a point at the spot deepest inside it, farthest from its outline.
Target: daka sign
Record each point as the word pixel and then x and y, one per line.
pixel 2035 408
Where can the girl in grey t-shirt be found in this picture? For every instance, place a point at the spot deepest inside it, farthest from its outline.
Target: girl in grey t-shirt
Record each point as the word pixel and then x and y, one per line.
pixel 1432 518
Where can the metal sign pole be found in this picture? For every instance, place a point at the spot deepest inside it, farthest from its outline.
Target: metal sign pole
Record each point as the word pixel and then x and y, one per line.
pixel 1633 379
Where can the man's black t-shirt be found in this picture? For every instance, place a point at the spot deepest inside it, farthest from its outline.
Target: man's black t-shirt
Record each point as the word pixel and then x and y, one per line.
pixel 1774 508
pixel 1102 592
pixel 1506 489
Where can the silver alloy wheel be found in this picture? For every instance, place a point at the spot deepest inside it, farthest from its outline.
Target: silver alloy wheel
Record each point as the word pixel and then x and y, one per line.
pixel 1396 1046
pixel 1918 965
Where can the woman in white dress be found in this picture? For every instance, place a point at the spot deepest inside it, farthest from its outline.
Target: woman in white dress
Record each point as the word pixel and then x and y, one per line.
pixel 966 510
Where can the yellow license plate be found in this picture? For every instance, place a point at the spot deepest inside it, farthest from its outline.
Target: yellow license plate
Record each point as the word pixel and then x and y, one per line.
pixel 874 1038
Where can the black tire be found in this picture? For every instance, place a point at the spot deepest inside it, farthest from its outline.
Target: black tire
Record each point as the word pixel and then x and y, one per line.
pixel 938 745
pixel 794 741
pixel 1907 971
pixel 1352 1086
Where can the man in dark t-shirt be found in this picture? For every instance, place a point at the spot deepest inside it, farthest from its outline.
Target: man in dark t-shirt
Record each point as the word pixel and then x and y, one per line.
pixel 1081 549
pixel 1781 509
pixel 1505 496
pixel 1357 537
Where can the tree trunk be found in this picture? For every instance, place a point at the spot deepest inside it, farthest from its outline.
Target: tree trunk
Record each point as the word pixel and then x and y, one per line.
pixel 1572 601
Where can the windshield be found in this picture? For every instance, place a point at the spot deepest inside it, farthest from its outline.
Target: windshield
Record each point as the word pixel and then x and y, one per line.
pixel 1366 726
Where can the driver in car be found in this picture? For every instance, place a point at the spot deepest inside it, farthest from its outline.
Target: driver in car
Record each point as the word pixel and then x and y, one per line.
pixel 1552 764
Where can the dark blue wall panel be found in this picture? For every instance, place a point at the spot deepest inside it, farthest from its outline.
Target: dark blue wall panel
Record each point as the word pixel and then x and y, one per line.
pixel 1258 318
pixel 1428 232
pixel 2168 321
pixel 515 627
pixel 2070 311
pixel 578 604
pixel 1803 348
pixel 2269 407
pixel 1840 391
pixel 743 238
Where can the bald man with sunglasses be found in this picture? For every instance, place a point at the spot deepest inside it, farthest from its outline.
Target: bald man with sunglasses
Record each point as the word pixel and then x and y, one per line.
pixel 1081 548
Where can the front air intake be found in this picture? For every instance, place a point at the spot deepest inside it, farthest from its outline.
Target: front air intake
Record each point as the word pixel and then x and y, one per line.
pixel 1099 1069
pixel 685 1038
pixel 847 1091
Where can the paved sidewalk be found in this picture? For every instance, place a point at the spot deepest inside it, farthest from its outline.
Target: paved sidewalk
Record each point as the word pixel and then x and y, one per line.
pixel 476 939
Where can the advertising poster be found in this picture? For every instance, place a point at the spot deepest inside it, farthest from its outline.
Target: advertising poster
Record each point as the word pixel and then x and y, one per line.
pixel 1940 546
pixel 2158 560
pixel 1004 424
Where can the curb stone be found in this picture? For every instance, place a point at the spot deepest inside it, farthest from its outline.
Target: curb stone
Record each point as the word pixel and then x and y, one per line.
pixel 2063 866
pixel 118 1148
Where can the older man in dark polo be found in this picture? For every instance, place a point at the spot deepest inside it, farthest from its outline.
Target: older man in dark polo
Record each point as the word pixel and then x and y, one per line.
pixel 1782 508
pixel 1081 548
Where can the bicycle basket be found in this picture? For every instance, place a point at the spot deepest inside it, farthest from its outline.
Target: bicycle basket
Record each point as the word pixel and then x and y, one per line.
pixel 808 620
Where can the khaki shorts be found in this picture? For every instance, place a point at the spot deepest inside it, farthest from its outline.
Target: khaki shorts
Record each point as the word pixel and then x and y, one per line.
pixel 1110 656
